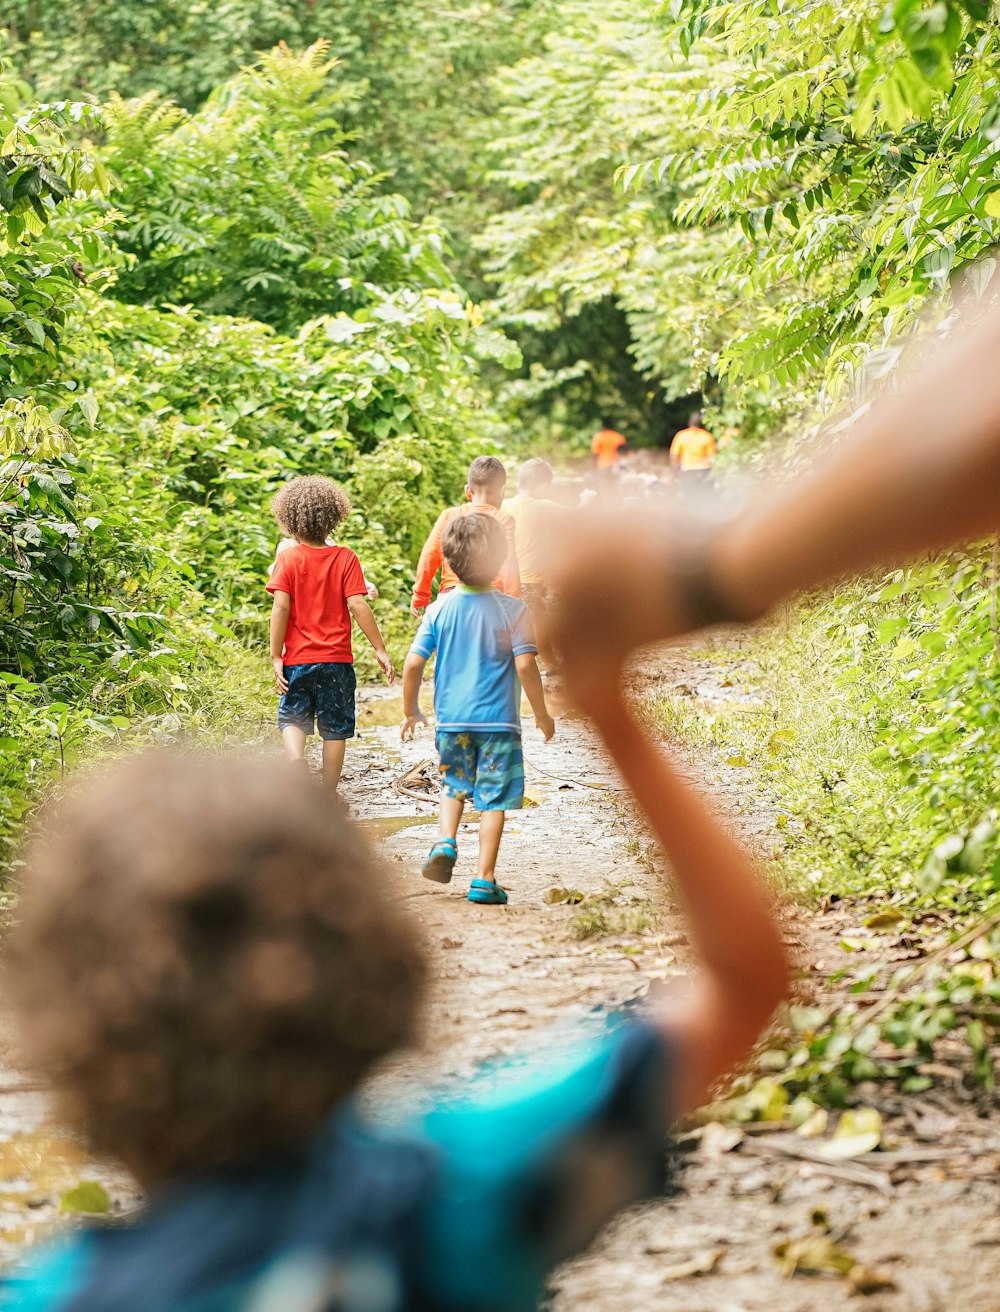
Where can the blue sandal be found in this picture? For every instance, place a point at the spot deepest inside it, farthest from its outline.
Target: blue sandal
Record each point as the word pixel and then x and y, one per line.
pixel 441 861
pixel 487 892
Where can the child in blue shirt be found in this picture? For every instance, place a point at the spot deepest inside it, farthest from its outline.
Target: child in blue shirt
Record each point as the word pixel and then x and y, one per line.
pixel 208 959
pixel 485 654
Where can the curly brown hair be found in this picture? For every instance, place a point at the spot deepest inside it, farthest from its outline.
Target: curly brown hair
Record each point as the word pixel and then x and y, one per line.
pixel 207 960
pixel 311 507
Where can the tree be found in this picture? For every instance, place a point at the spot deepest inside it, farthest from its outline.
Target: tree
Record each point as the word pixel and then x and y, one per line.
pixel 614 305
pixel 253 205
pixel 852 149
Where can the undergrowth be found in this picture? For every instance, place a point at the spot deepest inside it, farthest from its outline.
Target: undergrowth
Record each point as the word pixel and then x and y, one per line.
pixel 869 721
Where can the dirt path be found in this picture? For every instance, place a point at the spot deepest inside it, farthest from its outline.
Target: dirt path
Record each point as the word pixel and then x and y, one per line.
pixel 929 1225
pixel 929 1228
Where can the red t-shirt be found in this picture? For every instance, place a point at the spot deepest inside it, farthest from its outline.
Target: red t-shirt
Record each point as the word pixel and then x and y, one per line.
pixel 319 580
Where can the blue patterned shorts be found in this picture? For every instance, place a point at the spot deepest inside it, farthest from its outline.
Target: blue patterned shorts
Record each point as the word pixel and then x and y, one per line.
pixel 323 693
pixel 485 765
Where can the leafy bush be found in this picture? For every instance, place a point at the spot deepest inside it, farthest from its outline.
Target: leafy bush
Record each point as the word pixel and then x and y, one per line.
pixel 140 443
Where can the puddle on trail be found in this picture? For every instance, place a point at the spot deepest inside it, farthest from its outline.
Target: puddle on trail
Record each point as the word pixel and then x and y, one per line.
pixel 382 827
pixel 380 712
pixel 38 1162
pixel 36 1170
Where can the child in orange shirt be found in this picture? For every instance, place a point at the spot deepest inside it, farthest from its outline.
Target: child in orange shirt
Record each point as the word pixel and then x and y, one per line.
pixel 485 492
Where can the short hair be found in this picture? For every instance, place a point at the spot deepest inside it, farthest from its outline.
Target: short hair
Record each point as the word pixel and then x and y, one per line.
pixel 694 419
pixel 311 507
pixel 486 471
pixel 208 958
pixel 534 473
pixel 607 423
pixel 474 545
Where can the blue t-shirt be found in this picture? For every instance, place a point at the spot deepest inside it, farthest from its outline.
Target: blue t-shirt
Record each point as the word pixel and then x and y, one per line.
pixel 464 1209
pixel 477 635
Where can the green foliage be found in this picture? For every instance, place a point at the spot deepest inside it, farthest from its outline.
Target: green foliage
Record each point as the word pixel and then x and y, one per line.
pixel 66 623
pixel 612 303
pixel 873 748
pixel 847 152
pixel 203 418
pixel 181 49
pixel 141 439
pixel 252 206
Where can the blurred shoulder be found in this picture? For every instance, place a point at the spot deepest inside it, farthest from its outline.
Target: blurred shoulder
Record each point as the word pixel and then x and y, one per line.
pixel 49 1278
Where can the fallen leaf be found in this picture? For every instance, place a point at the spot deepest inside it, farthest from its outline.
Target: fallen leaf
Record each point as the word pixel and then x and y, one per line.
pixel 816 1254
pixel 884 919
pixel 89 1196
pixel 702 1264
pixel 855 944
pixel 563 896
pixel 815 1125
pixel 717 1139
pixel 864 1280
pixel 768 1100
pixel 859 1131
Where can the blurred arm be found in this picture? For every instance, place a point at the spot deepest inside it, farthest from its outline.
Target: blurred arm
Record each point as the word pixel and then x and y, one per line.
pixel 743 967
pixel 921 472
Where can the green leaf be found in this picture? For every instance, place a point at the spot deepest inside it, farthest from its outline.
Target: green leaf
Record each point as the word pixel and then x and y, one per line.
pixel 35 331
pixel 89 1197
pixel 858 1131
pixel 87 404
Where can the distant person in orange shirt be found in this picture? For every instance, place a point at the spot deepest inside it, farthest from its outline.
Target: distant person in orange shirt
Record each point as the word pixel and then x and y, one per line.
pixel 607 445
pixel 693 449
pixel 484 492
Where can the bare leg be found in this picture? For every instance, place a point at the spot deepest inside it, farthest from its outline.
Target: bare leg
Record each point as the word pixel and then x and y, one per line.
pixel 333 762
pixel 490 833
pixel 451 816
pixel 295 748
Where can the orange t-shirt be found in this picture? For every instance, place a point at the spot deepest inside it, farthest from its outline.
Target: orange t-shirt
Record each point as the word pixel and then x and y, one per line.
pixel 693 448
pixel 319 580
pixel 432 558
pixel 605 446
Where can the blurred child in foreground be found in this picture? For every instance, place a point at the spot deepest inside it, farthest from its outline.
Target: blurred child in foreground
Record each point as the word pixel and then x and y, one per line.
pixel 208 961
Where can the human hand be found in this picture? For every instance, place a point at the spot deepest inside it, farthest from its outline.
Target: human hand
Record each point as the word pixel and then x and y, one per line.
pixel 416 611
pixel 409 726
pixel 546 726
pixel 386 665
pixel 279 674
pixel 609 570
pixel 372 590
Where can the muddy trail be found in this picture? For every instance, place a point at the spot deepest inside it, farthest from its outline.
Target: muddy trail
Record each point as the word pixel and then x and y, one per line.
pixel 589 923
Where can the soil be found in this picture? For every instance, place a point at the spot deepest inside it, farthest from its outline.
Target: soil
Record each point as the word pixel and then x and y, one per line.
pixel 923 1218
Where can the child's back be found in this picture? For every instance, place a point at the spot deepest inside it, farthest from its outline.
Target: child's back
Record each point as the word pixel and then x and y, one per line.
pixel 319 581
pixel 478 634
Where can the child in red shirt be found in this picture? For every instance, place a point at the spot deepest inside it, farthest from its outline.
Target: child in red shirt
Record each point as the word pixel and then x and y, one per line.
pixel 318 588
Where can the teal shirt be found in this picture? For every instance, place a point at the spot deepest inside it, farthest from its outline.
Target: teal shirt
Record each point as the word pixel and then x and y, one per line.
pixel 466 1208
